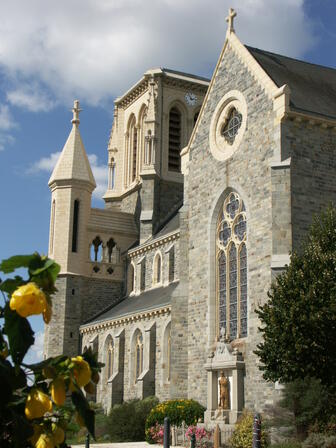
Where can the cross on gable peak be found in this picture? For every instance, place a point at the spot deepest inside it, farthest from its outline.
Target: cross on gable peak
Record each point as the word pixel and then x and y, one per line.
pixel 230 18
pixel 75 111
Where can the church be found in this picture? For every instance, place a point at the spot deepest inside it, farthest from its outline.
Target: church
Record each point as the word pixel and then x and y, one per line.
pixel 211 185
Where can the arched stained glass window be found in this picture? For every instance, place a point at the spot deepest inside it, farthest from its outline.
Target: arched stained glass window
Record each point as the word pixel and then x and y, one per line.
pixel 231 259
pixel 110 358
pixel 157 268
pixel 138 356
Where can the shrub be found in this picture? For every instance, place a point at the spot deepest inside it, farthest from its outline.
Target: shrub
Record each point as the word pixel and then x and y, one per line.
pixel 243 433
pixel 315 440
pixel 126 422
pixel 201 434
pixel 178 411
pixel 287 444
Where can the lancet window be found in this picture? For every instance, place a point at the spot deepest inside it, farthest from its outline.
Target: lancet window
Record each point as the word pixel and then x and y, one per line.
pixel 110 245
pixel 132 151
pixel 110 358
pixel 231 261
pixel 96 249
pixel 157 268
pixel 75 225
pixel 138 355
pixel 174 141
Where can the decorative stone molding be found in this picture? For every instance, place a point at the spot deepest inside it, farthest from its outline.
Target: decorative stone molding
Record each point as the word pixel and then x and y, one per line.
pixel 153 244
pixel 102 326
pixel 221 149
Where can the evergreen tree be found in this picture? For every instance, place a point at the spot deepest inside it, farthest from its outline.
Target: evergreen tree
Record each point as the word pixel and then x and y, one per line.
pixel 299 320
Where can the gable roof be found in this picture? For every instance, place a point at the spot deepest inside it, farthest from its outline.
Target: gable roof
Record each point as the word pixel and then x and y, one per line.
pixel 312 87
pixel 148 300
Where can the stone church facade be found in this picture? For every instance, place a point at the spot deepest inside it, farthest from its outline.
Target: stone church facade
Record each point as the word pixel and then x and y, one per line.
pixel 211 185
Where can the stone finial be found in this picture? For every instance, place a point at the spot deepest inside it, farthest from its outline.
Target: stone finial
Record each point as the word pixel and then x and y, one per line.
pixel 76 110
pixel 229 19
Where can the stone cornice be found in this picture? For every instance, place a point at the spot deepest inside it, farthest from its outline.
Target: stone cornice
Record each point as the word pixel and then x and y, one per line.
pixel 145 247
pixel 311 119
pixel 142 315
pixel 132 94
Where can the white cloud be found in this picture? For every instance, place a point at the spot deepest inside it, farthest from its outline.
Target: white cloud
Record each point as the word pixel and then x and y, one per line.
pixel 31 97
pixel 6 120
pixel 35 353
pixel 47 164
pixel 96 49
pixel 7 123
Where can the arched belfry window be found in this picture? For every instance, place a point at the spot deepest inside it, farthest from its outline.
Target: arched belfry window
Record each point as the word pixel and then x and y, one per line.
pixel 132 151
pixel 110 358
pixel 231 267
pixel 138 355
pixel 96 249
pixel 174 141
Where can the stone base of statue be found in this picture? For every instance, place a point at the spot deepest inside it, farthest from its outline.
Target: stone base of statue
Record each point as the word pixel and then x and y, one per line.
pixel 227 362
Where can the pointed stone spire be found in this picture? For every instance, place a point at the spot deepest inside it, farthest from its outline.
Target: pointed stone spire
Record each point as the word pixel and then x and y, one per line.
pixel 73 163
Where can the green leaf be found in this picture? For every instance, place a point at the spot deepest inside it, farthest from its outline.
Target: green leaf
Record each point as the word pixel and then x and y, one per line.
pixel 17 261
pixel 20 335
pixel 83 408
pixel 11 284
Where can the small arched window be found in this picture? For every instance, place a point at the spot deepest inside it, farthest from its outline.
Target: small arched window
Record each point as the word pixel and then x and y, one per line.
pixel 110 245
pixel 138 355
pixel 110 358
pixel 174 140
pixel 96 249
pixel 231 260
pixel 131 278
pixel 157 269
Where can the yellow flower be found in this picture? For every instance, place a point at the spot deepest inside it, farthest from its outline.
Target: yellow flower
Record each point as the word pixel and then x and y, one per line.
pixel 57 434
pixel 37 404
pixel 28 299
pixel 81 371
pixel 57 390
pixel 45 441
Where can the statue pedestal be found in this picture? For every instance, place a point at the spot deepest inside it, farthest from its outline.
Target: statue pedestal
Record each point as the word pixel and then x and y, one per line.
pixel 231 363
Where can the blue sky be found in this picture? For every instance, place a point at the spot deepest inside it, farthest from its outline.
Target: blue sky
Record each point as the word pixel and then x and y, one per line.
pixel 93 50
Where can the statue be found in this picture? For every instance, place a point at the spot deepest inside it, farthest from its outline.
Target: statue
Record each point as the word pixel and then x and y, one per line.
pixel 223 391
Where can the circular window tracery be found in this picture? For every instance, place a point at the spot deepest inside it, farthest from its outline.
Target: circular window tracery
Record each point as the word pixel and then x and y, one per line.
pixel 227 125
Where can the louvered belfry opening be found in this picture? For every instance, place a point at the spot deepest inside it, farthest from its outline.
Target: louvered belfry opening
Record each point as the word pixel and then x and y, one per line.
pixel 174 159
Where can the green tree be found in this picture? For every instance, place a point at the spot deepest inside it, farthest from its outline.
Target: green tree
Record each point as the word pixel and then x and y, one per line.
pixel 32 396
pixel 299 320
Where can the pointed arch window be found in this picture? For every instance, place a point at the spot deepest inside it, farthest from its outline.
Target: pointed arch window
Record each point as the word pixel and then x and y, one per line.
pixel 110 245
pixel 110 358
pixel 96 249
pixel 174 141
pixel 131 168
pixel 231 267
pixel 169 355
pixel 138 355
pixel 157 269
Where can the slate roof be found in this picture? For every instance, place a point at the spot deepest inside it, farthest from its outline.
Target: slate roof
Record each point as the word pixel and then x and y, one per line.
pixel 313 87
pixel 148 300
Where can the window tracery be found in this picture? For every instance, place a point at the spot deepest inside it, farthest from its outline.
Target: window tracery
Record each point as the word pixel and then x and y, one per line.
pixel 231 260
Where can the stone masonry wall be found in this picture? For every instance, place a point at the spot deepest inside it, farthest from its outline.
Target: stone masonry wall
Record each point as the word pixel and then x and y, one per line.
pixel 130 388
pixel 77 299
pixel 313 167
pixel 166 263
pixel 209 181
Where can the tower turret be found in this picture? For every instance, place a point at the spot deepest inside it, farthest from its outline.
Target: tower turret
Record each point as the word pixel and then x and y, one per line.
pixel 71 185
